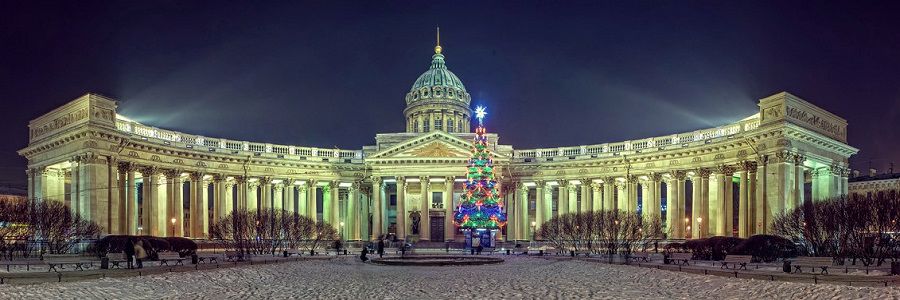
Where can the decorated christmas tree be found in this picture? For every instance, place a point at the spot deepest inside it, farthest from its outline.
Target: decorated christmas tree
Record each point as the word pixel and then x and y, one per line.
pixel 479 207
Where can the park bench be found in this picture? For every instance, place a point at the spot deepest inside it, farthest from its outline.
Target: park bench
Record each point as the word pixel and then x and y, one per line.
pixel 117 259
pixel 813 262
pixel 208 258
pixel 27 263
pixel 55 262
pixel 736 261
pixel 586 253
pixel 642 256
pixel 681 258
pixel 236 256
pixel 164 259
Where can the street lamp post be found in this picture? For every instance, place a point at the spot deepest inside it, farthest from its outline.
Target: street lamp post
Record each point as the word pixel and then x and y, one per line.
pixel 699 227
pixel 687 223
pixel 173 226
pixel 533 233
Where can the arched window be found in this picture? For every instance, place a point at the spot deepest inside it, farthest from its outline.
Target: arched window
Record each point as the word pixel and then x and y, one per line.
pixel 415 125
pixel 460 125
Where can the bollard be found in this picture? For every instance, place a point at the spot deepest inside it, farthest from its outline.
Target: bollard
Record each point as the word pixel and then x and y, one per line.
pixel 895 268
pixel 786 267
pixel 507 251
pixel 572 253
pixel 284 253
pixel 194 258
pixel 104 263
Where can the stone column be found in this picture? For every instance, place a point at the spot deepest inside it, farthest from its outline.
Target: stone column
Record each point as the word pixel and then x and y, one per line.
pixel 278 197
pixel 672 222
pixel 799 181
pixel 252 196
pixel 844 178
pixel 585 196
pixel 622 195
pixel 204 209
pixel 779 183
pixel 112 213
pixel 425 204
pixel 289 203
pixel 364 212
pixel 632 193
pixel 228 201
pixel 336 204
pixel 218 182
pixel 131 206
pixel 704 223
pixel 717 202
pixel 124 217
pixel 353 212
pixel 401 207
pixel 92 182
pixel 510 195
pixel 524 232
pixel 150 208
pixel 729 202
pixel 242 191
pixel 265 193
pixel 172 176
pixel 311 203
pixel 539 205
pixel 198 190
pixel 751 198
pixel 743 200
pixel 597 196
pixel 680 222
pixel 377 222
pixel 761 209
pixel 609 192
pixel 643 202
pixel 573 198
pixel 449 209
pixel 303 199
pixel 696 202
pixel 327 198
pixel 563 202
pixel 74 203
pixel 655 196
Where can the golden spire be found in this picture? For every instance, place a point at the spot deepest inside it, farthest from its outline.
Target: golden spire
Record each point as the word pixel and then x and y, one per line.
pixel 437 49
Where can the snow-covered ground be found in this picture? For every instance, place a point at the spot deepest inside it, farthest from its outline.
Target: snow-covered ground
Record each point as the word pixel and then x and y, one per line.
pixel 528 278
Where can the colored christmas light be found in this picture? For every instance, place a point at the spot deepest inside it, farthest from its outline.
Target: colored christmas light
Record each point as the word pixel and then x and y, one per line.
pixel 479 207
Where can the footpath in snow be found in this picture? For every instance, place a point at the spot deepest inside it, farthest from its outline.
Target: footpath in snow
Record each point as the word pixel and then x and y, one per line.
pixel 518 277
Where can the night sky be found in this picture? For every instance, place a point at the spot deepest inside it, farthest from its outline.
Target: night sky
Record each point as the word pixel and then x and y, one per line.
pixel 551 74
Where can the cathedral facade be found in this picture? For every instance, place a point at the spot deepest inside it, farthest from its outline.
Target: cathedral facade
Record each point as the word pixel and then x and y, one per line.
pixel 134 178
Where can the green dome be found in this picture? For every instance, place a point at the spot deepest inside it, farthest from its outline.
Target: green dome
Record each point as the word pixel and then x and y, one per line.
pixel 438 75
pixel 437 83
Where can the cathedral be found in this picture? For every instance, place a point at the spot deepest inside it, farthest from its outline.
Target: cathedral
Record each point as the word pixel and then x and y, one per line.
pixel 134 178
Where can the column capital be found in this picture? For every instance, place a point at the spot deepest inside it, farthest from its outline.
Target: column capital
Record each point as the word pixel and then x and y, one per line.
pixel 562 183
pixel 229 184
pixel 799 159
pixel 725 169
pixel 376 180
pixel 748 166
pixel 279 186
pixel 126 166
pixel 312 182
pixel 149 170
pixel 679 175
pixel 240 179
pixel 596 186
pixel 704 172
pixel 424 179
pixel 609 180
pixel 783 156
pixel 303 188
pixel 171 173
pixel 401 180
pixel 196 176
pixel 265 180
pixel 655 176
pixel 253 184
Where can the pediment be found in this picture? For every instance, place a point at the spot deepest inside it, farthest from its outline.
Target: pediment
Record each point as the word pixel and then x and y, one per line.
pixel 434 145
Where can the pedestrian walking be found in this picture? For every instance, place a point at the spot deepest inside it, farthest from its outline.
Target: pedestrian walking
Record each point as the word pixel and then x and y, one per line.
pixel 380 248
pixel 139 254
pixel 129 252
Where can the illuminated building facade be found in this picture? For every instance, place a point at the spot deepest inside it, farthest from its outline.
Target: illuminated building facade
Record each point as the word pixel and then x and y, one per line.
pixel 134 178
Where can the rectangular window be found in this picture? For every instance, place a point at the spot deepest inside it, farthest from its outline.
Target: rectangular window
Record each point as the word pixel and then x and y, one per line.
pixel 450 126
pixel 437 200
pixel 425 125
pixel 438 125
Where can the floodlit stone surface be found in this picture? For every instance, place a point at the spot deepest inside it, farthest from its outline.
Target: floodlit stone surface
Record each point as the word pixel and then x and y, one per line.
pixel 528 278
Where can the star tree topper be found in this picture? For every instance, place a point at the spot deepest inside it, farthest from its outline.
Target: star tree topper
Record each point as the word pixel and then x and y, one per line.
pixel 480 112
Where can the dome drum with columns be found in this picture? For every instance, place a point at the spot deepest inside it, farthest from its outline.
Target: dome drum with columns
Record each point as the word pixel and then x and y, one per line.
pixel 97 162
